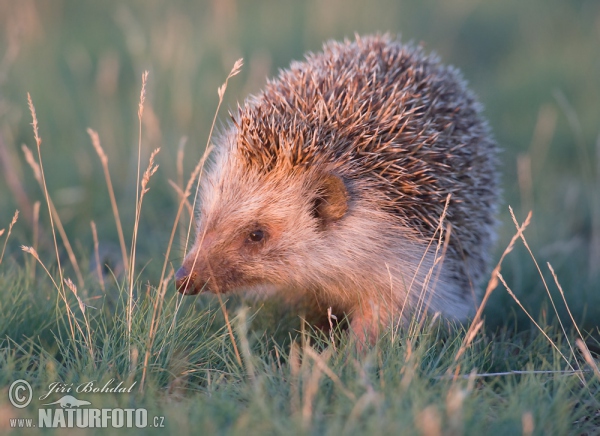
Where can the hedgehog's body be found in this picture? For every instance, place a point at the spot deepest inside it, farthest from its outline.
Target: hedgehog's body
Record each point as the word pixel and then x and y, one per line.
pixel 331 184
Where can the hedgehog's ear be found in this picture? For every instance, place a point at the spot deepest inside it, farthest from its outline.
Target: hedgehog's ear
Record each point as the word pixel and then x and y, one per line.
pixel 331 200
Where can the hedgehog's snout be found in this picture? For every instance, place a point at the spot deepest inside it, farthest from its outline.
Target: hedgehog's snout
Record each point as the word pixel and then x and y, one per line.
pixel 195 272
pixel 186 282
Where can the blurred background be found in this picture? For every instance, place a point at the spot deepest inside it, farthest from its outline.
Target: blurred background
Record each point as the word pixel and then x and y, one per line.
pixel 535 66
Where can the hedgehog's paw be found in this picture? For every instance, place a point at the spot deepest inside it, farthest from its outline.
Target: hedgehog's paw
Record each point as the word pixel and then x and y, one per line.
pixel 366 326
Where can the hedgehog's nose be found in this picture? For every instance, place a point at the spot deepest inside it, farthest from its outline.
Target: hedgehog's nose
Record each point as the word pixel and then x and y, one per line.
pixel 185 282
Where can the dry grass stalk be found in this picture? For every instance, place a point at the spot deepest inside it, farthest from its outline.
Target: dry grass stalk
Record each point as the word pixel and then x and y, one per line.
pixel 196 175
pixel 131 267
pixel 32 163
pixel 42 179
pixel 8 164
pixel 180 155
pixel 111 193
pixel 562 294
pixel 230 330
pixel 321 362
pixel 360 406
pixel 545 285
pixel 429 421
pixel 512 372
pixel 588 356
pixel 56 218
pixel 439 261
pixel 97 256
pixel 12 223
pixel 36 232
pixel 409 368
pixel 492 284
pixel 294 362
pixel 139 163
pixel 182 197
pixel 528 424
pixel 242 331
pixel 525 181
pixel 439 232
pixel 88 339
pixel 35 255
pixel 454 409
pixel 237 66
pixel 514 297
pixel 330 317
pixel 60 289
pixel 311 387
pixel 150 171
pixel 55 222
pixel 180 187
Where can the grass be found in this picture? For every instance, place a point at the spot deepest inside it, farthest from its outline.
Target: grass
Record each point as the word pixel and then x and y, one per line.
pixel 527 364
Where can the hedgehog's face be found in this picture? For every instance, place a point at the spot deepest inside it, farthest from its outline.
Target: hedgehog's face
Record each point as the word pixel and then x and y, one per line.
pixel 258 231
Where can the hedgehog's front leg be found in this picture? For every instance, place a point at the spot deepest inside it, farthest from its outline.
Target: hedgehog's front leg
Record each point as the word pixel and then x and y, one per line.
pixel 366 323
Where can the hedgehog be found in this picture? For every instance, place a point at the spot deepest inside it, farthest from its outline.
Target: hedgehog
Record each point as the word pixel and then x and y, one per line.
pixel 363 180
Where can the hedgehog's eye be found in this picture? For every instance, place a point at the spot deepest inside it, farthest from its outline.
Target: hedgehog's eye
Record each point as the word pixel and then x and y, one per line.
pixel 256 235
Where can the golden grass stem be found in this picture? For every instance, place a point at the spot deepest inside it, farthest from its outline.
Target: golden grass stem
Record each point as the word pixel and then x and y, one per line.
pixel 330 317
pixel 97 256
pixel 514 297
pixel 321 361
pixel 131 267
pixel 438 231
pixel 562 294
pixel 492 284
pixel 196 175
pixel 8 164
pixel 588 356
pixel 55 221
pixel 525 180
pixel 180 186
pixel 580 342
pixel 38 168
pixel 150 171
pixel 237 66
pixel 311 388
pixel 429 422
pixel 59 289
pixel 230 330
pixel 158 303
pixel 36 233
pixel 12 223
pixel 181 195
pixel 38 142
pixel 527 423
pixel 545 284
pixel 242 331
pixel 88 339
pixel 514 372
pixel 180 156
pixel 439 262
pixel 111 193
